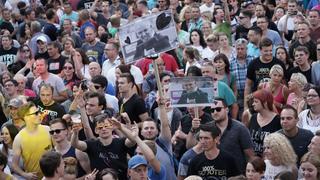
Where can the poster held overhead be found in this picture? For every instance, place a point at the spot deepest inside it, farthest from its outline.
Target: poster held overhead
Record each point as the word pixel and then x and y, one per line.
pixel 191 92
pixel 148 35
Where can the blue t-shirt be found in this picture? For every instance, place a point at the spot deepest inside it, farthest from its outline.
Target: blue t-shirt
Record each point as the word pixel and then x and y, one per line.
pixel 157 176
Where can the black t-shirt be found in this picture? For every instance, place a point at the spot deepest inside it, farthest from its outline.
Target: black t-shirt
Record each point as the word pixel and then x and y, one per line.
pixel 7 25
pixel 44 55
pixel 258 70
pixel 101 20
pixel 51 30
pixel 312 47
pixel 112 156
pixel 133 107
pixel 85 4
pixel 52 112
pixel 258 133
pixel 300 142
pixel 307 73
pixel 241 32
pixel 222 167
pixel 55 66
pixel 8 56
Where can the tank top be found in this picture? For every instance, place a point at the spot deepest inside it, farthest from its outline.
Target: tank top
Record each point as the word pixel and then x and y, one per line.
pixel 72 153
pixel 279 98
pixel 32 148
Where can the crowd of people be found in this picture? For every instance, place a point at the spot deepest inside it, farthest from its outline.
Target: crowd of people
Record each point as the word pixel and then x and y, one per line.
pixel 70 108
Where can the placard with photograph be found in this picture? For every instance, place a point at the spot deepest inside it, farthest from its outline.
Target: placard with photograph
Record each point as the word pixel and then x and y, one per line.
pixel 149 35
pixel 191 91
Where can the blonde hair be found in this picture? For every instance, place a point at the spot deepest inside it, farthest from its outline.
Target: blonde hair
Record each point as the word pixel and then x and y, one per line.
pixel 208 15
pixel 183 11
pixel 70 165
pixel 300 79
pixel 276 69
pixel 281 149
pixel 312 159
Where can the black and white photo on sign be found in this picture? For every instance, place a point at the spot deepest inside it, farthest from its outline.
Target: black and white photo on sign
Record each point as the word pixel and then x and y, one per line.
pixel 191 91
pixel 149 35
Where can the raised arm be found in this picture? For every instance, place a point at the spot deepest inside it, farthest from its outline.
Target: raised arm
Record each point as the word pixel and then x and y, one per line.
pixel 149 155
pixel 75 142
pixel 165 128
pixel 129 133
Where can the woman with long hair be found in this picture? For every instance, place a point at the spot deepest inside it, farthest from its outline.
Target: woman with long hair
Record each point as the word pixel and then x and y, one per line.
pixel 283 55
pixel 222 65
pixel 191 57
pixel 255 168
pixel 185 17
pixel 310 118
pixel 224 46
pixel 296 84
pixel 69 76
pixel 24 55
pixel 81 63
pixel 310 166
pixel 197 41
pixel 263 122
pixel 8 133
pixel 279 91
pixel 68 46
pixel 279 156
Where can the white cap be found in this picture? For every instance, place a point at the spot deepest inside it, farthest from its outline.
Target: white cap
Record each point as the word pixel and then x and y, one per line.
pixel 42 38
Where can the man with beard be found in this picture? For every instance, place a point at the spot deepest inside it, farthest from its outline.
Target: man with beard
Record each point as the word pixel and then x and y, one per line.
pixel 93 48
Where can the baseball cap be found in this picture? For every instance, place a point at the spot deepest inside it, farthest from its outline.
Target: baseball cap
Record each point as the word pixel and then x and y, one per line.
pixel 136 161
pixel 42 38
pixel 15 102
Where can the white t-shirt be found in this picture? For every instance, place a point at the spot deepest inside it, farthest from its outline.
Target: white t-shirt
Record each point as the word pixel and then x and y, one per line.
pixel 306 122
pixel 135 71
pixel 204 8
pixel 282 23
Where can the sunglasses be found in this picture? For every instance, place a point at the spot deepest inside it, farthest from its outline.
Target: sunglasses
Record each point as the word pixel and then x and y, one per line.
pixel 97 87
pixel 34 113
pixel 104 125
pixel 57 131
pixel 218 109
pixel 68 67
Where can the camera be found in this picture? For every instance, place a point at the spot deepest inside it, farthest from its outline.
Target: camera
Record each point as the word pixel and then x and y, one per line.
pixel 84 85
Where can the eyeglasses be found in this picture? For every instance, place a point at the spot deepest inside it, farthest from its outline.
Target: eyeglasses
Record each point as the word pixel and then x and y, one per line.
pixel 218 109
pixel 68 67
pixel 57 131
pixel 312 95
pixel 34 113
pixel 104 125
